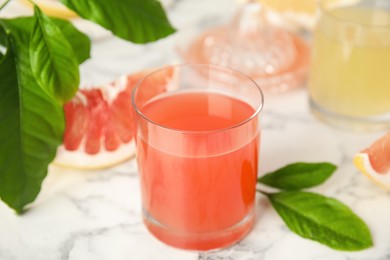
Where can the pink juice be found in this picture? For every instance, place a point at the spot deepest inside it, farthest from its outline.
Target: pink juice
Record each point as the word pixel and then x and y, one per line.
pixel 198 161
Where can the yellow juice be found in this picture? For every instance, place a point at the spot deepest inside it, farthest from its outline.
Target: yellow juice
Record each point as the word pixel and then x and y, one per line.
pixel 350 73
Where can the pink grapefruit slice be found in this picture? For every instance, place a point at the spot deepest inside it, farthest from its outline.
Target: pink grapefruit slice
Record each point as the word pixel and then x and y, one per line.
pixel 99 122
pixel 374 161
pixel 76 121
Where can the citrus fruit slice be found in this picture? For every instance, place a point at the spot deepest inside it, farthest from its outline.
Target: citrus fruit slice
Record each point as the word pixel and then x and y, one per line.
pixel 98 115
pixel 99 122
pixel 374 161
pixel 53 8
pixel 76 121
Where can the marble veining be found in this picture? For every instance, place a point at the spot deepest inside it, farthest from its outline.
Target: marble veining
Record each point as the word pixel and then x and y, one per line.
pixel 97 215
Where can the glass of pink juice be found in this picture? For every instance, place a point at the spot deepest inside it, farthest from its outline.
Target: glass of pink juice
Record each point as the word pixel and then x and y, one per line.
pixel 197 151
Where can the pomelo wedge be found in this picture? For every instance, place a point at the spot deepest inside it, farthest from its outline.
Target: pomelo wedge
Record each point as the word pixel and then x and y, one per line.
pixel 99 121
pixel 374 161
pixel 76 121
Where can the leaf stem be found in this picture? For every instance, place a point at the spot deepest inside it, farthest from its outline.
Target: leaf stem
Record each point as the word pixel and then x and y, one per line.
pixel 4 4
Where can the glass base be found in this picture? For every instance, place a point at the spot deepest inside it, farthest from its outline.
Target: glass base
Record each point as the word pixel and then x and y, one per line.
pixel 357 124
pixel 210 241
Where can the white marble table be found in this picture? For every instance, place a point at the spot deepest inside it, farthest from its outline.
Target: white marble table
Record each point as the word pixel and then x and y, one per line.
pixel 97 215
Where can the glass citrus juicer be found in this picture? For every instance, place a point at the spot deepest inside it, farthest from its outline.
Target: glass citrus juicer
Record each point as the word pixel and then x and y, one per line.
pixel 272 56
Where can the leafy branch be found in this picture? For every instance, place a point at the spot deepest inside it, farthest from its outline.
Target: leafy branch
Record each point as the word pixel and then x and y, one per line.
pixel 39 68
pixel 311 215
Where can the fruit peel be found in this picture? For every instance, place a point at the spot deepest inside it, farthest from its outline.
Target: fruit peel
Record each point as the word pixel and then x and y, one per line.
pixel 362 163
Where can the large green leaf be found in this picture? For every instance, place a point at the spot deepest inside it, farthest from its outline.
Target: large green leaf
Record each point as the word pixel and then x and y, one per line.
pixel 2 37
pixel 298 176
pixel 80 43
pixel 53 61
pixel 139 21
pixel 323 219
pixel 31 122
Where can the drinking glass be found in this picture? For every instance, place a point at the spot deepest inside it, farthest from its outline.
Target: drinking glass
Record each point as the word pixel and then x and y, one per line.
pixel 349 83
pixel 197 143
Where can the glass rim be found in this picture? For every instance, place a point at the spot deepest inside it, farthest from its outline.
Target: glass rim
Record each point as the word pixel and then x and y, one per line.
pixel 198 132
pixel 327 10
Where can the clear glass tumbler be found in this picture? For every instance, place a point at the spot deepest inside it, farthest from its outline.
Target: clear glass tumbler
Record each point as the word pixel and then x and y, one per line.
pixel 197 139
pixel 349 84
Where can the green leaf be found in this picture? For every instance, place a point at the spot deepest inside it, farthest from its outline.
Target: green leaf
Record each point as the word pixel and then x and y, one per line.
pixel 80 43
pixel 53 62
pixel 298 176
pixel 2 37
pixel 322 219
pixel 31 122
pixel 139 21
pixel 2 43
